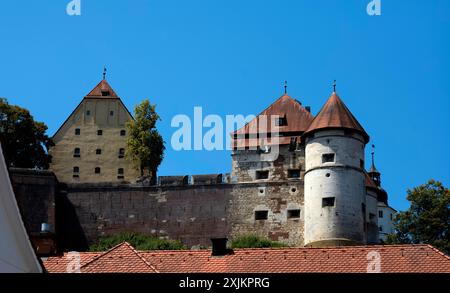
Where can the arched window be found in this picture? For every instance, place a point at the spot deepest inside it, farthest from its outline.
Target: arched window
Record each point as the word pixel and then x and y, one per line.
pixel 76 153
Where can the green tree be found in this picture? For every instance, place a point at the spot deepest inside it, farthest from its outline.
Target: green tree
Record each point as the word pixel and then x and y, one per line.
pixel 145 146
pixel 138 241
pixel 253 241
pixel 24 141
pixel 428 218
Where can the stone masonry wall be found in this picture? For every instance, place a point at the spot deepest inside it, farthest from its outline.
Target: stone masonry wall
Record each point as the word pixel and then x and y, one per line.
pixel 193 213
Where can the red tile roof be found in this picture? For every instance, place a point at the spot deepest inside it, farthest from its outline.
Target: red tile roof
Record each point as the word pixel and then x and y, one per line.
pixel 334 114
pixel 350 259
pixel 122 258
pixel 297 120
pixel 102 86
pixel 58 264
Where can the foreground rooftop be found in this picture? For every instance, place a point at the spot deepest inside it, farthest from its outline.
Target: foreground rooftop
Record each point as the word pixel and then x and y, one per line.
pixel 123 258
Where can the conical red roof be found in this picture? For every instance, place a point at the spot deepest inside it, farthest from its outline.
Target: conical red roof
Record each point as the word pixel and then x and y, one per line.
pixel 101 88
pixel 334 114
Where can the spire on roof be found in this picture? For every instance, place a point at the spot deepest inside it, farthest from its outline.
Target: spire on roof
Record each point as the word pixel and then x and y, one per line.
pixel 334 86
pixel 374 174
pixel 285 87
pixel 372 168
pixel 104 72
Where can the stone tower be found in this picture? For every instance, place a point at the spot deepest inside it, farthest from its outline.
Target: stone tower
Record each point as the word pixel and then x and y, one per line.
pixel 335 189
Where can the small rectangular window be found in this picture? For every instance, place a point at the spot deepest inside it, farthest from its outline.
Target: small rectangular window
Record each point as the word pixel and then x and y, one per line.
pixel 111 113
pixel 88 112
pixel 98 151
pixel 76 172
pixel 76 153
pixel 294 173
pixel 97 170
pixel 327 158
pixel 380 214
pixel 281 121
pixel 120 173
pixel 293 214
pixel 99 132
pixel 361 164
pixel 328 202
pixel 122 132
pixel 77 131
pixel 262 175
pixel 261 215
pixel 391 217
pixel 380 228
pixel 121 153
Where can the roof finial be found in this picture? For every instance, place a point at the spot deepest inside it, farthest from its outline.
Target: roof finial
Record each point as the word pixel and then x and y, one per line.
pixel 104 72
pixel 285 87
pixel 334 86
pixel 373 153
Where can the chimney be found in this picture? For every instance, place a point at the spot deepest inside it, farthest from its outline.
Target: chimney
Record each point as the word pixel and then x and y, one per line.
pixel 308 108
pixel 219 246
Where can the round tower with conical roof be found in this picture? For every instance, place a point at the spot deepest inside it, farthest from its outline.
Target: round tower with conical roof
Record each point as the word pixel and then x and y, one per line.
pixel 335 192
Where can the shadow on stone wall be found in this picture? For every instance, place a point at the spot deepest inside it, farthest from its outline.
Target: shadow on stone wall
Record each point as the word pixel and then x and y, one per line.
pixel 70 234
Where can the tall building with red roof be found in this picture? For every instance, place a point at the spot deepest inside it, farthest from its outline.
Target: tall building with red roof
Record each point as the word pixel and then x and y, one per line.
pixel 90 145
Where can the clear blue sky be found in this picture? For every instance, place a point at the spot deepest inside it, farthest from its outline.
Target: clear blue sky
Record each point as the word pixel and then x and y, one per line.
pixel 232 56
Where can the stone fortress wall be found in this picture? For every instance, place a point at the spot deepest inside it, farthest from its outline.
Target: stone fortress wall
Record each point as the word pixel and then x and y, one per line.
pixel 193 209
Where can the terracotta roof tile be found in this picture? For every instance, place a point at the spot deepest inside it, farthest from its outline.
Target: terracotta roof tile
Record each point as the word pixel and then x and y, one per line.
pixel 58 264
pixel 350 259
pixel 297 119
pixel 334 114
pixel 102 86
pixel 122 258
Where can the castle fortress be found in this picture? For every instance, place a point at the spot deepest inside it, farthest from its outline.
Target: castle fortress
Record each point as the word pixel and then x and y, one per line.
pixel 301 180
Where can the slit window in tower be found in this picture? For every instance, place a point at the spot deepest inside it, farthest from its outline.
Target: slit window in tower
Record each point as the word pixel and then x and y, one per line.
pixel 261 215
pixel 294 173
pixel 293 214
pixel 262 175
pixel 328 202
pixel 380 214
pixel 327 158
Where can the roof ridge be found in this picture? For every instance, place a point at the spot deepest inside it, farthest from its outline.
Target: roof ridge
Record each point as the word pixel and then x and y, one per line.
pixel 114 248
pixel 437 250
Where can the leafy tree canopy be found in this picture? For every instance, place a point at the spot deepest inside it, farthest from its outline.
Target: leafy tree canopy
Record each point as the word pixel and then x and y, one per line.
pixel 428 218
pixel 138 241
pixel 253 241
pixel 145 146
pixel 24 141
